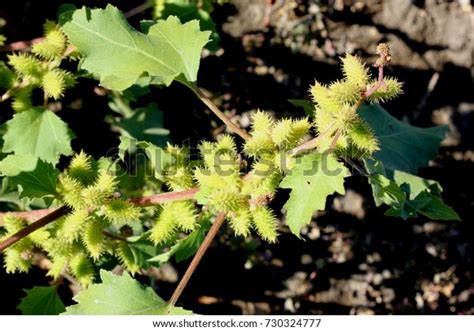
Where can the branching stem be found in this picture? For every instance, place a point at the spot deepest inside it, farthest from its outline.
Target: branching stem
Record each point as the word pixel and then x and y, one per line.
pixel 45 220
pixel 334 141
pixel 197 258
pixel 139 9
pixel 10 92
pixel 313 143
pixel 215 109
pixel 377 85
pixel 358 168
pixel 164 197
pixel 7 95
pixel 50 215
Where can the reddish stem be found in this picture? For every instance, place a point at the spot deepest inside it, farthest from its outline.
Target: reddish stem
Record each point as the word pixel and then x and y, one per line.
pixel 45 220
pixel 30 215
pixel 50 215
pixel 164 197
pixel 377 85
pixel 197 258
pixel 20 45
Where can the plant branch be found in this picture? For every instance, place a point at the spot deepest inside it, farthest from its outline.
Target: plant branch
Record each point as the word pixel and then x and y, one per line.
pixel 139 9
pixel 376 86
pixel 29 215
pixel 213 107
pixel 113 236
pixel 10 92
pixel 313 143
pixel 7 95
pixel 164 197
pixel 358 168
pixel 49 215
pixel 384 58
pixel 197 258
pixel 334 141
pixel 43 221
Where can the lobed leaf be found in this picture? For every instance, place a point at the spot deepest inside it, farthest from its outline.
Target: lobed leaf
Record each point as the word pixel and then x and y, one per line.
pixel 311 181
pixel 38 132
pixel 402 146
pixel 120 295
pixel 407 195
pixel 119 55
pixel 36 177
pixel 41 301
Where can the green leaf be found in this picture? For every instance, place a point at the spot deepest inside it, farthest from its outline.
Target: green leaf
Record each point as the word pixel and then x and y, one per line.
pixel 307 106
pixel 406 194
pixel 120 295
pixel 127 145
pixel 402 146
pixel 7 76
pixel 435 208
pixel 146 124
pixel 41 301
pixel 36 177
pixel 142 250
pixel 38 132
pixel 186 247
pixel 158 157
pixel 9 196
pixel 189 11
pixel 119 55
pixel 426 204
pixel 312 180
pixel 389 180
pixel 417 184
pixel 13 165
pixel 386 191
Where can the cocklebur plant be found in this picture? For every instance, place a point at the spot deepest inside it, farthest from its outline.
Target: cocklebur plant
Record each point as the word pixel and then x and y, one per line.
pixel 191 10
pixel 336 108
pixel 184 201
pixel 222 188
pixel 38 69
pixel 78 238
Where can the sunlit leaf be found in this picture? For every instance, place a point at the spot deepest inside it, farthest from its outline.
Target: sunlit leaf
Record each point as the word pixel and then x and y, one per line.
pixel 119 55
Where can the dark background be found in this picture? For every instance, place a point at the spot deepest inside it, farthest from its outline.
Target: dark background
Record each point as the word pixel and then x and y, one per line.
pixel 354 259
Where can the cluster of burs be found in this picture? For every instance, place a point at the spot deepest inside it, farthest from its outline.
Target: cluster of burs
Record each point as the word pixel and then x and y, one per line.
pixel 336 119
pixel 77 240
pixel 80 239
pixel 39 68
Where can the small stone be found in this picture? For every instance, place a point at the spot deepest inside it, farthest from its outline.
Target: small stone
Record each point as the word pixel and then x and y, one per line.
pixel 306 259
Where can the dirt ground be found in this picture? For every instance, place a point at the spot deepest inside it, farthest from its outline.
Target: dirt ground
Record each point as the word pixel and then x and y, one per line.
pixel 354 260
